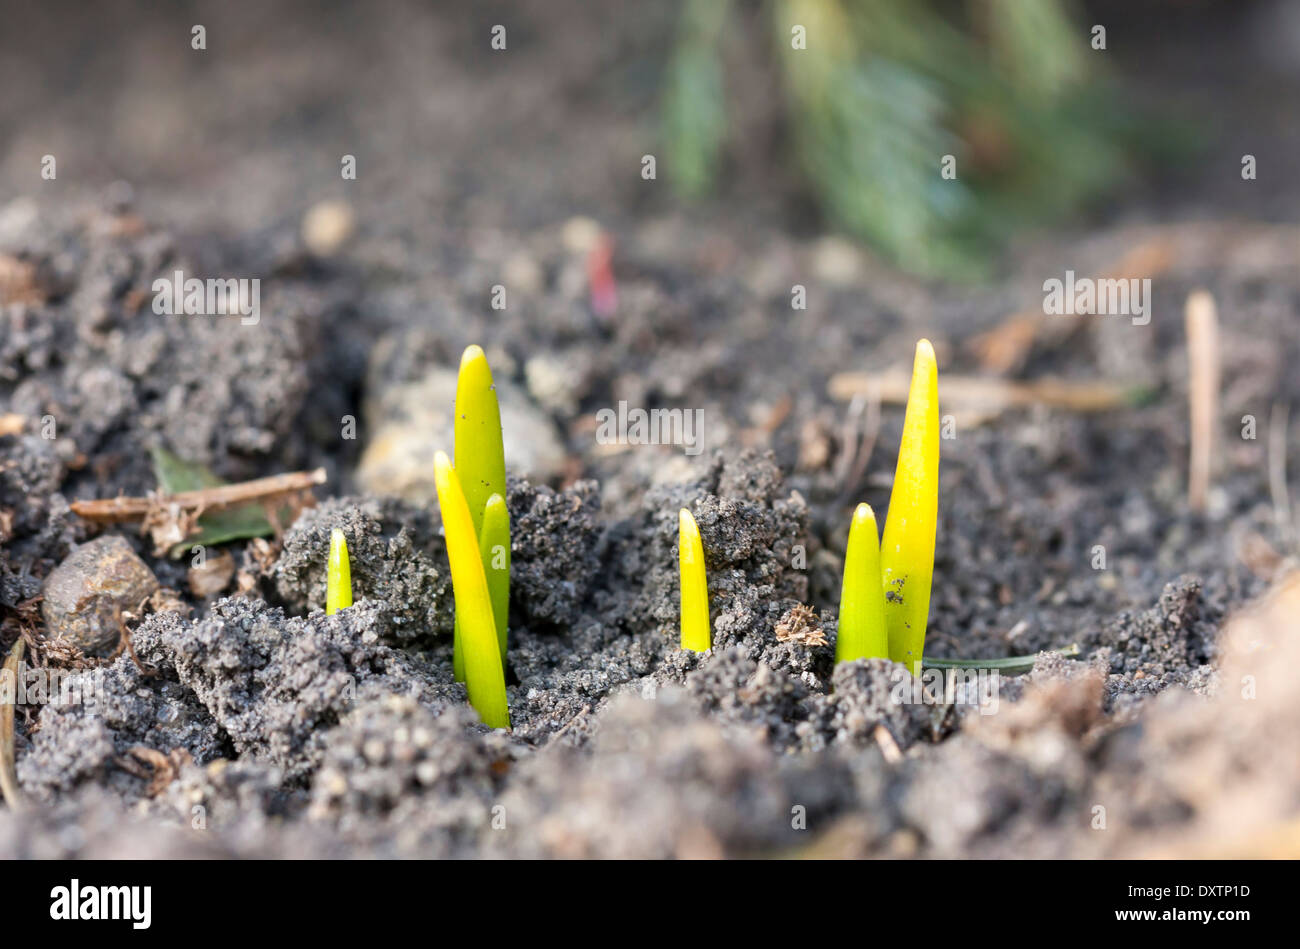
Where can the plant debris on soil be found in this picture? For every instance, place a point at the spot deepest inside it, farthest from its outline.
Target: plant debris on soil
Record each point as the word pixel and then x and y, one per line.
pixel 189 708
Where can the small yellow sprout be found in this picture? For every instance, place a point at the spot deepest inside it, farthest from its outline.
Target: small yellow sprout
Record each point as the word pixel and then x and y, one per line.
pixel 338 575
pixel 696 635
pixel 907 550
pixel 863 634
pixel 494 543
pixel 484 675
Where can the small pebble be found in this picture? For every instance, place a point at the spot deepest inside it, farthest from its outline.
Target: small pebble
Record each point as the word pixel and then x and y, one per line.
pixel 89 593
pixel 327 226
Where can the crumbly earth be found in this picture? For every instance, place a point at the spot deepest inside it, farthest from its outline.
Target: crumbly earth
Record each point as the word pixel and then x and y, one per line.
pixel 254 725
pixel 392 549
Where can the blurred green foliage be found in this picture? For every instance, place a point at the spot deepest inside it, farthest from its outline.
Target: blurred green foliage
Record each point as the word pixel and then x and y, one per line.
pixel 886 88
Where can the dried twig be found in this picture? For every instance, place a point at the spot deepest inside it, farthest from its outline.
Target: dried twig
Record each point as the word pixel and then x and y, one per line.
pixel 1005 348
pixel 1202 393
pixel 1009 665
pixel 571 722
pixel 60 653
pixel 859 440
pixel 112 510
pixel 154 766
pixel 124 643
pixel 1278 421
pixel 989 396
pixel 8 773
pixel 888 747
pixel 849 438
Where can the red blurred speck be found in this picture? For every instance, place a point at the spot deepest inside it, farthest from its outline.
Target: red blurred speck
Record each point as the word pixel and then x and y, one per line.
pixel 600 278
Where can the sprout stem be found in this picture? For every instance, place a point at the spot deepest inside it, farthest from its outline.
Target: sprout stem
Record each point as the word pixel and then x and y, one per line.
pixel 484 676
pixel 696 635
pixel 494 544
pixel 338 575
pixel 480 465
pixel 862 632
pixel 907 551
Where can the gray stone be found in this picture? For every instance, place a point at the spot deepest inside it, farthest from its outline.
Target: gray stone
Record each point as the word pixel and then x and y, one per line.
pixel 87 594
pixel 412 421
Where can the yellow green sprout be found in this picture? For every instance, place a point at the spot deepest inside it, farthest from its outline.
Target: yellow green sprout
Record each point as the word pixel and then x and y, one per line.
pixel 494 544
pixel 338 575
pixel 485 679
pixel 696 635
pixel 862 630
pixel 481 467
pixel 907 549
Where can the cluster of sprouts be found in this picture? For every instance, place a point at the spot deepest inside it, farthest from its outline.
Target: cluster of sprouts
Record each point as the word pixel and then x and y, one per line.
pixel 885 595
pixel 884 599
pixel 476 524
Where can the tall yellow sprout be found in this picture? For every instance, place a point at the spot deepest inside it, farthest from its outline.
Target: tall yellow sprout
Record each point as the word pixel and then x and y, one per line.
pixel 481 468
pixel 484 675
pixel 907 550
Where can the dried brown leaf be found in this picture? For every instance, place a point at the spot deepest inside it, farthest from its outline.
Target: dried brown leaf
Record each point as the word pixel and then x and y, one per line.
pixel 800 625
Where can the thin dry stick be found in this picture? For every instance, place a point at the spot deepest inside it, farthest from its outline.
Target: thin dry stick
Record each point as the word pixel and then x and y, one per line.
pixel 849 437
pixel 888 747
pixel 571 722
pixel 1278 420
pixel 8 773
pixel 1005 348
pixel 850 475
pixel 987 393
pixel 1202 393
pixel 204 499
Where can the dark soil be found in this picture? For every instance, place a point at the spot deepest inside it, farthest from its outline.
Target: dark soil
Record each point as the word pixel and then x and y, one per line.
pixel 248 723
